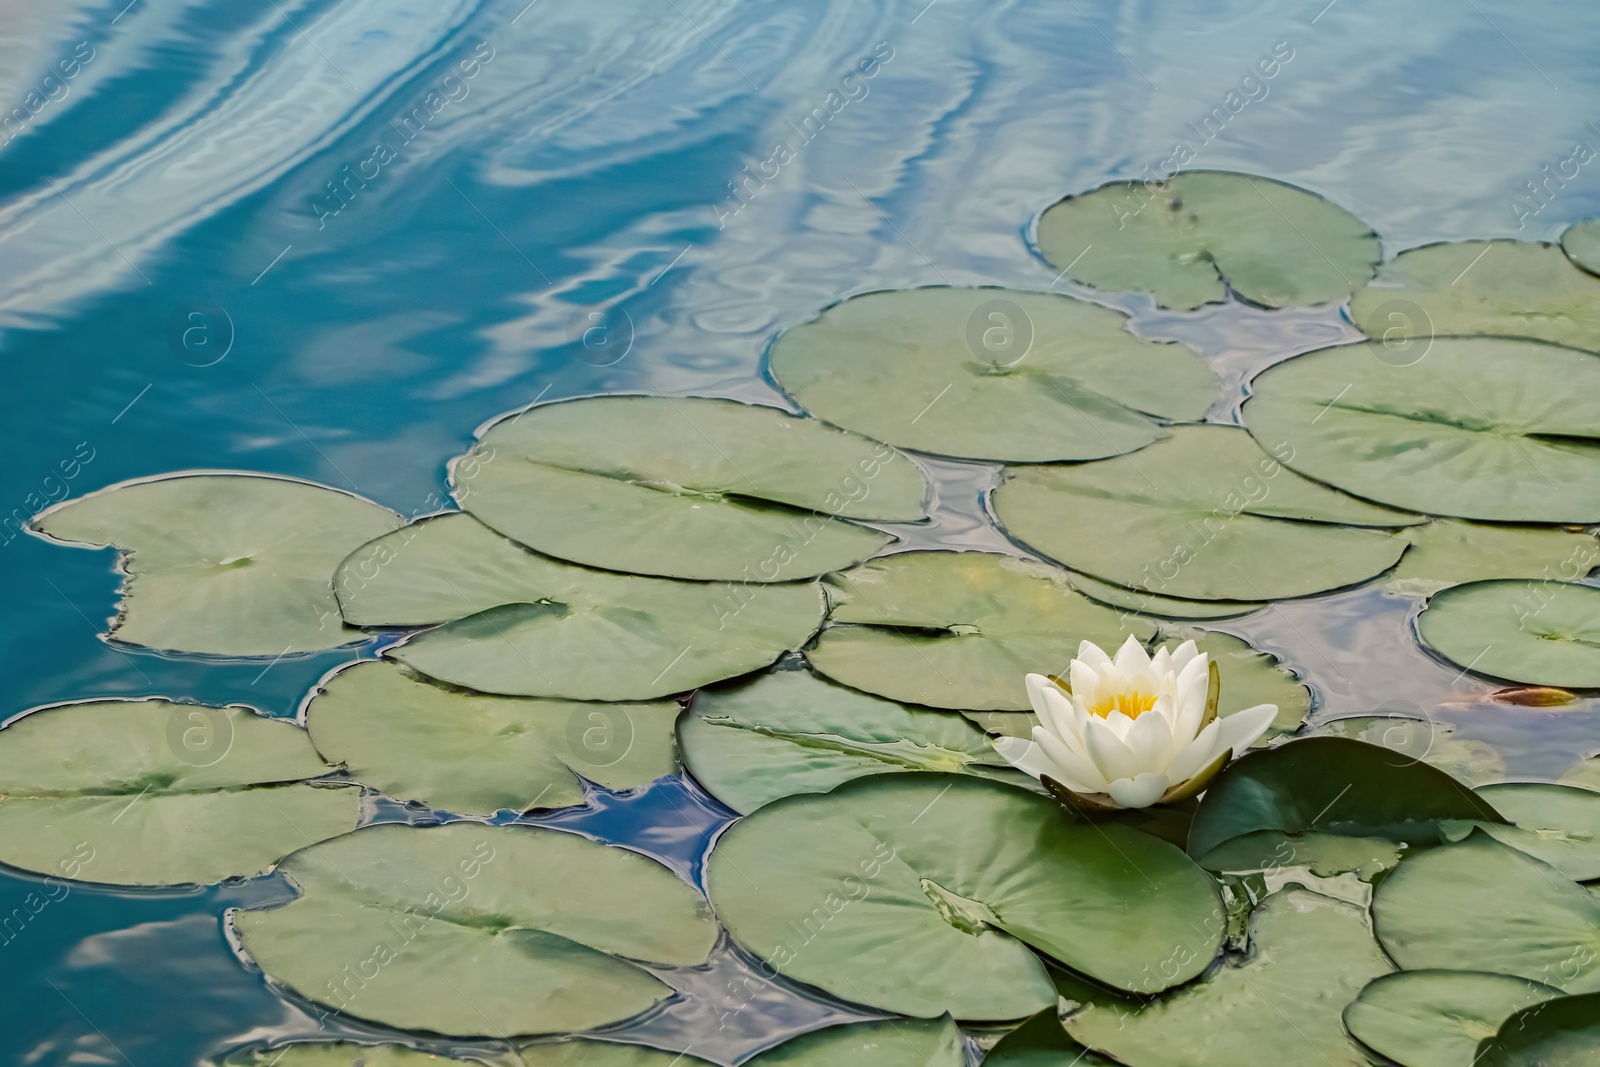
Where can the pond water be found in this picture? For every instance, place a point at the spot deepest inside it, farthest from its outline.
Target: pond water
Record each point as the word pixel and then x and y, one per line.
pixel 184 289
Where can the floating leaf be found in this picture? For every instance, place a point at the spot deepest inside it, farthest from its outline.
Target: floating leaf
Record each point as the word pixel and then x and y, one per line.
pixel 582 1053
pixel 1191 238
pixel 958 629
pixel 1323 855
pixel 1042 1042
pixel 1482 428
pixel 340 1054
pixel 149 792
pixel 228 564
pixel 1585 773
pixel 1558 1033
pixel 1205 514
pixel 1334 785
pixel 1309 955
pixel 523 624
pixel 1435 1018
pixel 477 930
pixel 473 754
pixel 1542 633
pixel 890 1043
pixel 1558 824
pixel 1481 904
pixel 1464 759
pixel 1445 552
pixel 1501 288
pixel 990 374
pixel 727 490
pixel 944 882
pixel 753 741
pixel 1136 600
pixel 1581 243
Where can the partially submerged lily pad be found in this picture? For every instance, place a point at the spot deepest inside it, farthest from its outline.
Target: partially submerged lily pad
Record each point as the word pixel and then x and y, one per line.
pixel 990 374
pixel 1308 956
pixel 1042 1042
pixel 475 754
pixel 727 491
pixel 1436 1018
pixel 579 1052
pixel 1334 785
pixel 1467 760
pixel 944 882
pixel 890 1043
pixel 1482 428
pixel 150 792
pixel 1559 824
pixel 518 623
pixel 1167 607
pixel 338 1054
pixel 1190 239
pixel 1323 855
pixel 1446 552
pixel 230 564
pixel 1540 633
pixel 476 930
pixel 959 630
pixel 1205 515
pixel 1557 1033
pixel 1581 243
pixel 1498 288
pixel 1480 904
pixel 753 741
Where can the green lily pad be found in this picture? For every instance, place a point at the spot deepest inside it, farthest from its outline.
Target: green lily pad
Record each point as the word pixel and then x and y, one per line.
pixel 1205 515
pixel 1481 428
pixel 1334 785
pixel 753 741
pixel 579 1052
pixel 890 1043
pixel 522 624
pixel 1585 774
pixel 1581 243
pixel 1445 552
pixel 1323 855
pixel 1434 1018
pixel 1042 1042
pixel 338 1054
pixel 1499 288
pixel 727 490
pixel 477 930
pixel 226 564
pixel 1558 824
pixel 990 374
pixel 1558 1033
pixel 1480 904
pixel 1464 759
pixel 958 630
pixel 149 792
pixel 1309 955
pixel 1190 239
pixel 1135 600
pixel 473 754
pixel 1540 633
pixel 947 884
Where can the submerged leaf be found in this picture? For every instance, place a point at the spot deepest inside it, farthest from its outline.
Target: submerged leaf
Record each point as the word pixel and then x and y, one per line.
pixel 990 374
pixel 726 490
pixel 150 792
pixel 1191 238
pixel 890 1043
pixel 228 564
pixel 1558 1033
pixel 1435 1018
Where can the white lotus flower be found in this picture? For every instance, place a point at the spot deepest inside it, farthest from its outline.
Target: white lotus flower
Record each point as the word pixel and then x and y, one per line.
pixel 1133 731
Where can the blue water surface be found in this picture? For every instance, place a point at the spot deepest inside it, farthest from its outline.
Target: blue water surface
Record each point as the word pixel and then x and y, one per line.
pixel 330 238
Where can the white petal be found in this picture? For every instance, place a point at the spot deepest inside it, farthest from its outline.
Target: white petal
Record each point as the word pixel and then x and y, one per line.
pixel 1085 680
pixel 1140 791
pixel 1197 754
pixel 1093 655
pixel 1131 657
pixel 1031 759
pixel 1165 707
pixel 1078 773
pixel 1183 654
pixel 1059 717
pixel 1243 727
pixel 1161 662
pixel 1113 758
pixel 1120 724
pixel 1150 738
pixel 1038 685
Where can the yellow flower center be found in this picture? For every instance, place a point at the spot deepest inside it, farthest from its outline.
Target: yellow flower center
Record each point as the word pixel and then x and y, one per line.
pixel 1131 703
